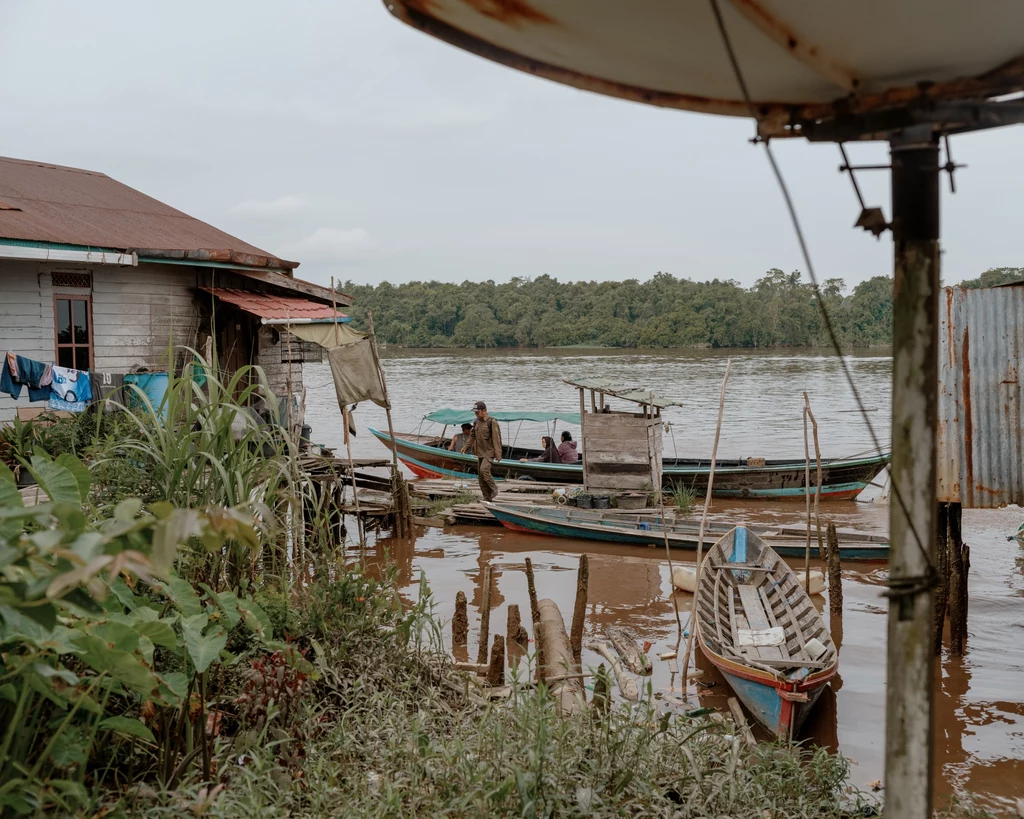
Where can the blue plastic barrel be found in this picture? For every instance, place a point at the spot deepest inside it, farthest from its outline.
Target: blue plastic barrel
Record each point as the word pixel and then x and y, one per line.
pixel 154 385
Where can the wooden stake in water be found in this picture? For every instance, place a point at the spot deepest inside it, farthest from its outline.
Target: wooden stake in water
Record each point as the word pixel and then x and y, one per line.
pixel 579 612
pixel 485 618
pixel 703 521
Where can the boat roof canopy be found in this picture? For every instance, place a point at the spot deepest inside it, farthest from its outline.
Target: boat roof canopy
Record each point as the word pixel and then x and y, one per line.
pixel 452 417
pixel 637 395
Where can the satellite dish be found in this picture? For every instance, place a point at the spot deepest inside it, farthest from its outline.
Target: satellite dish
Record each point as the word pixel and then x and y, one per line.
pixel 805 61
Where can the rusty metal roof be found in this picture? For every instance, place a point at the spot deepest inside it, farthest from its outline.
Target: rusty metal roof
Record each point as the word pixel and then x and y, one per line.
pixel 52 203
pixel 981 396
pixel 804 61
pixel 277 308
pixel 638 395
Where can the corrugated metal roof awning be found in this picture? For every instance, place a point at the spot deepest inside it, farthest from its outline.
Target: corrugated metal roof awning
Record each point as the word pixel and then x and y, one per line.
pixel 637 395
pixel 278 309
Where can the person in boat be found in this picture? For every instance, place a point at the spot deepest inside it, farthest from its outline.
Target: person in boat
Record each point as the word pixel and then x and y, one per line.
pixel 549 452
pixel 567 453
pixel 458 441
pixel 485 442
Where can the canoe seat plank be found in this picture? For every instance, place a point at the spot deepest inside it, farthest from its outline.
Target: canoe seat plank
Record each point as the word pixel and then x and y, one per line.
pixel 755 615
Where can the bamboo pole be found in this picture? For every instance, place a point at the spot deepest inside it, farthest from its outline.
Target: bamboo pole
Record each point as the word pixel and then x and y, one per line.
pixel 703 521
pixel 345 420
pixel 403 524
pixel 817 489
pixel 807 500
pixel 668 552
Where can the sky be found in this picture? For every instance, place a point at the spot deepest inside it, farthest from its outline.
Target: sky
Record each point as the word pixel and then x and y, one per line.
pixel 332 134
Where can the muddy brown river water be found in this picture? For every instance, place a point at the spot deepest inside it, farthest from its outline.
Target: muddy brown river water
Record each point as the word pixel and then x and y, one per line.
pixel 979 719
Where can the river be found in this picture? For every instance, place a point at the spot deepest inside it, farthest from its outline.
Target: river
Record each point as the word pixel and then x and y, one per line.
pixel 979 713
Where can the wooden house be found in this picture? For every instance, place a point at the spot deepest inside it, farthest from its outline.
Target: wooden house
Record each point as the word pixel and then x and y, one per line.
pixel 97 276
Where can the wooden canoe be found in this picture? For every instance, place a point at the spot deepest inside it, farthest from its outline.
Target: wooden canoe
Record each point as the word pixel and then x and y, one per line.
pixel 646 530
pixel 761 630
pixel 775 479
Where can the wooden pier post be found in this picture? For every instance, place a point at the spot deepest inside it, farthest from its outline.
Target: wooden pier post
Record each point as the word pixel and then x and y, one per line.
pixel 496 669
pixel 485 617
pixel 942 577
pixel 460 622
pixel 910 684
pixel 514 631
pixel 835 575
pixel 959 566
pixel 535 615
pixel 579 612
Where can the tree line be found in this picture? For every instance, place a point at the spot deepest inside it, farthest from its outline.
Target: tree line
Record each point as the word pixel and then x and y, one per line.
pixel 780 310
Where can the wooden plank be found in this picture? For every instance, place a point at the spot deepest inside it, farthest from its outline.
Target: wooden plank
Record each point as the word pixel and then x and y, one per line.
pixel 754 611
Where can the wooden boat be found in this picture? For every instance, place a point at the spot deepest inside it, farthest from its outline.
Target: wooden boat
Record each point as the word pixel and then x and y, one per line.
pixel 646 530
pixel 761 630
pixel 734 478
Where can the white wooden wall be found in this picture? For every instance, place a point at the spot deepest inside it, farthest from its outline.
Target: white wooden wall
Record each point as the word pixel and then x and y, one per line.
pixel 137 312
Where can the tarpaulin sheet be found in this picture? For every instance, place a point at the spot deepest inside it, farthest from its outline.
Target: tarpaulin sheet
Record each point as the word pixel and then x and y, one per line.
pixel 356 377
pixel 326 335
pixel 451 416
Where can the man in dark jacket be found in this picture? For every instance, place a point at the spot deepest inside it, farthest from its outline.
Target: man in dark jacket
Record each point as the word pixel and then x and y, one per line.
pixel 485 442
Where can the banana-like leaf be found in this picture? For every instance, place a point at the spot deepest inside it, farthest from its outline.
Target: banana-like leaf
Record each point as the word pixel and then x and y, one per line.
pixel 202 648
pixel 125 725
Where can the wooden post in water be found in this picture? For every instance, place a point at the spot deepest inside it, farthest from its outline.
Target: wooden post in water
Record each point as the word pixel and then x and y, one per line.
pixel 460 622
pixel 496 669
pixel 959 564
pixel 579 611
pixel 835 576
pixel 703 520
pixel 538 640
pixel 817 487
pixel 942 577
pixel 911 682
pixel 485 617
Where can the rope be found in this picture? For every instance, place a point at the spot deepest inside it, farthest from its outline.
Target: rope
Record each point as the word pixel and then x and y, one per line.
pixel 727 42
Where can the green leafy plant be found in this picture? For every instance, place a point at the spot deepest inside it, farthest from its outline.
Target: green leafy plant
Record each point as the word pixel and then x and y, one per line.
pixel 95 628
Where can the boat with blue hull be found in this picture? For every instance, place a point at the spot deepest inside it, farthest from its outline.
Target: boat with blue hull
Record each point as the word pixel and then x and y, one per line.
pixel 759 628
pixel 645 529
pixel 772 479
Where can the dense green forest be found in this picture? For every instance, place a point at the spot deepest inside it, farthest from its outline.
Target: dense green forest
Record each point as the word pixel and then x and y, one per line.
pixel 780 310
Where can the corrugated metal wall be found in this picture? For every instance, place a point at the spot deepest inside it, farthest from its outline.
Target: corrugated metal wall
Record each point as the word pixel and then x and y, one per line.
pixel 981 422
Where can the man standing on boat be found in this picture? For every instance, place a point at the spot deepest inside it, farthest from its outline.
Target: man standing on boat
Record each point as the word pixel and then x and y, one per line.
pixel 485 442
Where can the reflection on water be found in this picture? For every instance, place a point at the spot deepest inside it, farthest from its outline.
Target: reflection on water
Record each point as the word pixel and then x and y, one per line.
pixel 979 699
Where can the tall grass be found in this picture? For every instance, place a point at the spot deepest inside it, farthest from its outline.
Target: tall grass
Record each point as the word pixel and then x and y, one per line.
pixel 683 497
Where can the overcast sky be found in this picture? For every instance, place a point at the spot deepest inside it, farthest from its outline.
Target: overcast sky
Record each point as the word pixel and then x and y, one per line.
pixel 330 133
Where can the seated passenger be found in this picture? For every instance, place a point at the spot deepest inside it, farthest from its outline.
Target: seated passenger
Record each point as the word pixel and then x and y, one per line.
pixel 567 453
pixel 458 442
pixel 549 453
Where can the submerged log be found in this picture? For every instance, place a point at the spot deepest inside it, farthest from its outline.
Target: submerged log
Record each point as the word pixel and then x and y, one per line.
pixel 625 641
pixel 568 688
pixel 627 685
pixel 460 622
pixel 579 612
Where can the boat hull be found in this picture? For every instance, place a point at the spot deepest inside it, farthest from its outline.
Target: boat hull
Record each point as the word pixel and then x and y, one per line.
pixel 776 480
pixel 523 521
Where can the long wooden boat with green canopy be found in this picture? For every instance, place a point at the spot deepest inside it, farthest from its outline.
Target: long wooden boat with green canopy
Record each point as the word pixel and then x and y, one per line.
pixel 427 456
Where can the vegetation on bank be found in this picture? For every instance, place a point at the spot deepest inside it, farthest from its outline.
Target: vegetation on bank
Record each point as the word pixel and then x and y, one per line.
pixel 173 641
pixel 780 310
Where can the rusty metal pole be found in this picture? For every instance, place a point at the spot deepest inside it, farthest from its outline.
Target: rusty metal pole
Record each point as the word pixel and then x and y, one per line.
pixel 909 691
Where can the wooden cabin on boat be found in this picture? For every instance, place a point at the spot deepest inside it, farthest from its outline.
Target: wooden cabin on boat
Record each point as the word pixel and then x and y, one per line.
pixel 622 449
pixel 97 276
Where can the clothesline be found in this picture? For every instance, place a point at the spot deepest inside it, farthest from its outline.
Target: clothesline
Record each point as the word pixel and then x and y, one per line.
pixel 63 388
